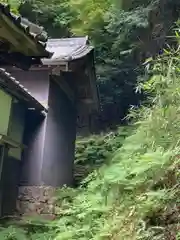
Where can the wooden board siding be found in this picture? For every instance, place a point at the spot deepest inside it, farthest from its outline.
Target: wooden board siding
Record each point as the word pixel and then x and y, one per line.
pixel 5 109
pixel 10 181
pixel 16 127
pixel 12 114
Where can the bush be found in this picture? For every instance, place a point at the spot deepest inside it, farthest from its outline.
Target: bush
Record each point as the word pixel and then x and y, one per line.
pixel 94 151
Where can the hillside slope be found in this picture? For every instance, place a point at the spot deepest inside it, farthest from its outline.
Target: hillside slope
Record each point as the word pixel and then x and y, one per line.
pixel 136 196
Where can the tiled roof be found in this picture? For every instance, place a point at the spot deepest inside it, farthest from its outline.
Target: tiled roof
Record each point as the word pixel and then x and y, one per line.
pixel 11 85
pixel 32 31
pixel 67 49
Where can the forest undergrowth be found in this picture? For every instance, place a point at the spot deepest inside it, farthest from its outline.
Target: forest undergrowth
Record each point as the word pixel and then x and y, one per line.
pixel 97 149
pixel 135 196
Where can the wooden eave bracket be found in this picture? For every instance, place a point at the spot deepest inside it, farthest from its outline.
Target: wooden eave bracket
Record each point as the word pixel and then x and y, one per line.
pixel 7 140
pixel 56 70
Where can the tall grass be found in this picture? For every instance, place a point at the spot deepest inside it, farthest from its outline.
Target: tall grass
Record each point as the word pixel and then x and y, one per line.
pixel 136 195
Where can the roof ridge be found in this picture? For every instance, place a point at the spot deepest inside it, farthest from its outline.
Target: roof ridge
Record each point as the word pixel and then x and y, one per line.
pixel 64 50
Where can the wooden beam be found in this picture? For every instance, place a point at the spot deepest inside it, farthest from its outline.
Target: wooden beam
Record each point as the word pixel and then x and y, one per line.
pixel 7 140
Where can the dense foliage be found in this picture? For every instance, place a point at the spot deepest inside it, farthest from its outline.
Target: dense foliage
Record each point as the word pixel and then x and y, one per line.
pixel 13 3
pixel 123 34
pixel 136 194
pixel 96 150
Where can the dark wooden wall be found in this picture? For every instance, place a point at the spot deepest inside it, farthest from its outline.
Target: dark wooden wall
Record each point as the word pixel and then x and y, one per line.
pixel 10 182
pixel 59 148
pixel 12 160
pixel 49 158
pixel 33 155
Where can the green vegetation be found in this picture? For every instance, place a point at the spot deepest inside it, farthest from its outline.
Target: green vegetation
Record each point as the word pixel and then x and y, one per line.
pixel 13 3
pixel 132 190
pixel 136 194
pixel 120 32
pixel 124 33
pixel 96 150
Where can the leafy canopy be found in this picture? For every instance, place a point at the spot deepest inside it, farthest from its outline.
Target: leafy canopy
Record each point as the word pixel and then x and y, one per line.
pixel 13 3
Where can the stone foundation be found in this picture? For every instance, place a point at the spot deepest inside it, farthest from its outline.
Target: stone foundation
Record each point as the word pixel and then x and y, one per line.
pixel 37 200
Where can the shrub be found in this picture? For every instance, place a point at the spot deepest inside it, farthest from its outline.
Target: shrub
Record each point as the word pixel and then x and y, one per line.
pixel 94 151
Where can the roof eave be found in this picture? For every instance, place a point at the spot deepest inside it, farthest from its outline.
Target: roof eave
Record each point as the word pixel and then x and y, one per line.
pixel 16 31
pixel 13 87
pixel 65 60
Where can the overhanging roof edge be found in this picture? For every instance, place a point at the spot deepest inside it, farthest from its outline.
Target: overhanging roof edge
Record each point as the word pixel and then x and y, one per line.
pixel 8 78
pixel 83 52
pixel 18 22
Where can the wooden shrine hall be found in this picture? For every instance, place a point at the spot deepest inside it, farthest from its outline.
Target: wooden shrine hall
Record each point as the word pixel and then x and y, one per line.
pixel 61 87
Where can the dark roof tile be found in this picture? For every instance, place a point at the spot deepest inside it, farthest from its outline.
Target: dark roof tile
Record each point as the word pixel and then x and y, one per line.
pixel 67 49
pixel 34 32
